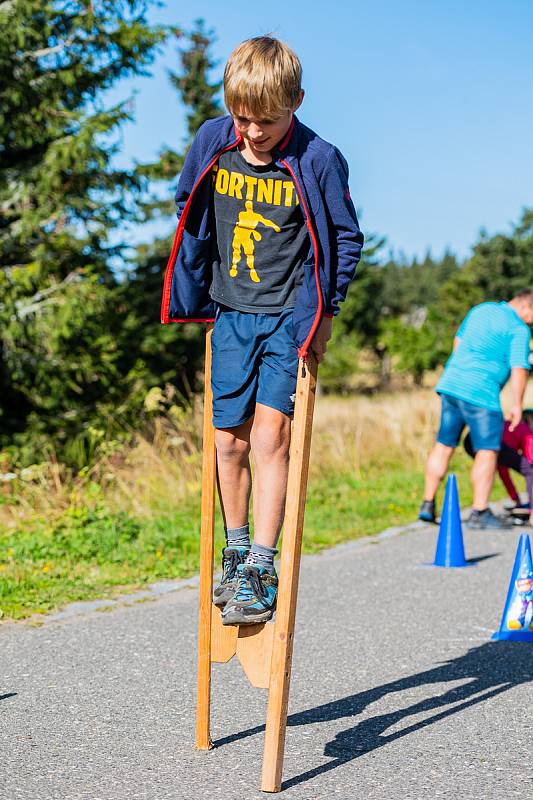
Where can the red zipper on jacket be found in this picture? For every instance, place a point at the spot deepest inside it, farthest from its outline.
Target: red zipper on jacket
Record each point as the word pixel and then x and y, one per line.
pixel 165 302
pixel 304 349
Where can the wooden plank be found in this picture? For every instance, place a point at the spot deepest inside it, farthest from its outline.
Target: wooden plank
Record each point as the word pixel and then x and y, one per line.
pixel 203 700
pixel 254 651
pixel 223 638
pixel 280 671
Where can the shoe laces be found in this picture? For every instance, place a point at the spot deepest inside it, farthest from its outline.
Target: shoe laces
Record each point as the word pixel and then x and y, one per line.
pixel 250 585
pixel 230 562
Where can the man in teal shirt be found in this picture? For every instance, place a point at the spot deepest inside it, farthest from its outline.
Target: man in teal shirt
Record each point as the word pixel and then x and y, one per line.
pixel 491 345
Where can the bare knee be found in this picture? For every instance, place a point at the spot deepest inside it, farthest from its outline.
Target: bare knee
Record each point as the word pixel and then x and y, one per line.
pixel 230 446
pixel 439 459
pixel 270 439
pixel 484 462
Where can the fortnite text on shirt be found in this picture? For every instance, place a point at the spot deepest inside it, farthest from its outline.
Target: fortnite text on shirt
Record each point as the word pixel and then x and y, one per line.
pixel 262 240
pixel 273 191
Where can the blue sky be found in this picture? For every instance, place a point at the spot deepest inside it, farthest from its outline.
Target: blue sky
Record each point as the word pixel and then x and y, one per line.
pixel 430 102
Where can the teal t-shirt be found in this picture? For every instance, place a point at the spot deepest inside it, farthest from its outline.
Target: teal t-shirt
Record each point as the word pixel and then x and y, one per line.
pixel 493 340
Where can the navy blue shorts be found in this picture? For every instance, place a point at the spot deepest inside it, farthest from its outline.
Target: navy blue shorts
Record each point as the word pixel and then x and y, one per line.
pixel 255 360
pixel 486 426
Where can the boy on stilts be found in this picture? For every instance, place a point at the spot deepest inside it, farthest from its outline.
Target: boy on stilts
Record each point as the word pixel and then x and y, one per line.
pixel 266 246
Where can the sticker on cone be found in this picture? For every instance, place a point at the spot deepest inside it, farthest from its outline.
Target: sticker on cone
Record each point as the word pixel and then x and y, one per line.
pixel 517 619
pixel 450 550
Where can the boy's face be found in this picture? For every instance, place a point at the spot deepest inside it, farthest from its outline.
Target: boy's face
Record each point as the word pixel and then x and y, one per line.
pixel 262 135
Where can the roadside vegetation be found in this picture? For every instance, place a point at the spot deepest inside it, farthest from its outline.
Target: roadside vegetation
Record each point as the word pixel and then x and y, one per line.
pixel 100 405
pixel 134 516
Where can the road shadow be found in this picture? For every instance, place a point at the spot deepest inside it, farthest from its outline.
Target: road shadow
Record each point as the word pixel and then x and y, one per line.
pixel 6 696
pixel 470 561
pixel 477 559
pixel 487 671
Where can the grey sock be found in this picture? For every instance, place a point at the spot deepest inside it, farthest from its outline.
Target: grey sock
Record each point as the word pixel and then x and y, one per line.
pixel 238 537
pixel 261 556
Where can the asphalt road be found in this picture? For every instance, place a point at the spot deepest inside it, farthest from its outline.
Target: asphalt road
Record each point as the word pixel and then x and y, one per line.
pixel 397 691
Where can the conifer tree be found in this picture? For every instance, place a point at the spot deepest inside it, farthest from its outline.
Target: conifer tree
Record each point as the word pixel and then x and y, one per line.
pixel 197 92
pixel 173 353
pixel 61 197
pixel 357 326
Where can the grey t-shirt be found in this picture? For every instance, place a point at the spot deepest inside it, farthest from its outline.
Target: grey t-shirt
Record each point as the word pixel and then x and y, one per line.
pixel 262 238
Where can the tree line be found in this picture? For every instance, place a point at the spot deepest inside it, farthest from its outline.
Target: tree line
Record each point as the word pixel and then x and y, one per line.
pixel 81 346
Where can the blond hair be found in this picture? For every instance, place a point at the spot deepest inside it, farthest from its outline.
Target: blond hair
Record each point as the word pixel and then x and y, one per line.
pixel 263 76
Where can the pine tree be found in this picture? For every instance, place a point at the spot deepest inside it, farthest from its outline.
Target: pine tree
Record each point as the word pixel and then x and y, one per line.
pixel 60 199
pixel 357 326
pixel 193 84
pixel 173 353
pixel 500 266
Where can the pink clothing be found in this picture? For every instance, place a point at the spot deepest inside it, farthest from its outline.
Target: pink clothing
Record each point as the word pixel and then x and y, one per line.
pixel 521 439
pixel 507 481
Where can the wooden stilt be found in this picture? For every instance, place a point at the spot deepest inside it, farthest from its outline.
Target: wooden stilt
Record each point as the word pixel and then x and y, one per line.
pixel 280 670
pixel 223 638
pixel 203 739
pixel 265 650
pixel 254 651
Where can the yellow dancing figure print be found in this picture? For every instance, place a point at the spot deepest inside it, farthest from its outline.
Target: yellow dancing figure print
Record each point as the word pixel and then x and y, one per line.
pixel 244 237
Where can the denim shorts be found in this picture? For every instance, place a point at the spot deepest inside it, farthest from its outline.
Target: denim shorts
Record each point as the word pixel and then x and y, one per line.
pixel 255 360
pixel 486 426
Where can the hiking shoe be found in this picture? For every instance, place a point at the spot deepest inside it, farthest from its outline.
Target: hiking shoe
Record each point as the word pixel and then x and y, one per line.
pixel 231 558
pixel 254 599
pixel 522 511
pixel 428 511
pixel 511 507
pixel 482 520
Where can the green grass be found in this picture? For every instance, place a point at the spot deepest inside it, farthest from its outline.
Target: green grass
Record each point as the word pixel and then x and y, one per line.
pixel 344 507
pixel 91 551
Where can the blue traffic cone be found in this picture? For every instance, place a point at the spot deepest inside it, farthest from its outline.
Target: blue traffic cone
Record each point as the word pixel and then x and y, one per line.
pixel 517 619
pixel 450 550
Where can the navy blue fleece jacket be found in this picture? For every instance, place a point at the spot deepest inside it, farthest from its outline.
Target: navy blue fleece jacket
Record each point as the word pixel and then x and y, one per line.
pixel 320 175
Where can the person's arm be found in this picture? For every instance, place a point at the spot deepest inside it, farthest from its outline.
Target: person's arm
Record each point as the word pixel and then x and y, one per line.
pixel 519 363
pixel 518 388
pixel 319 345
pixel 507 481
pixel 189 170
pixel 269 224
pixel 348 239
